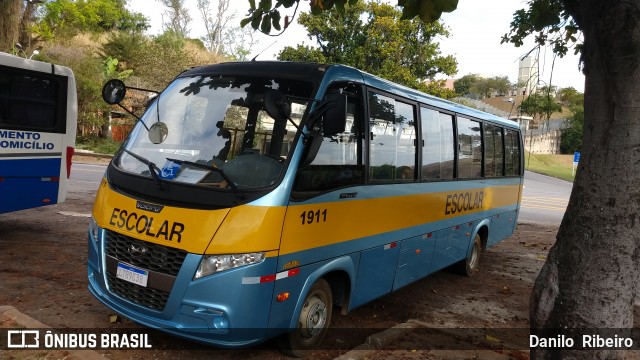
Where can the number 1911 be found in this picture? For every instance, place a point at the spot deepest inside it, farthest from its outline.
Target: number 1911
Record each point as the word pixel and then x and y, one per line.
pixel 309 217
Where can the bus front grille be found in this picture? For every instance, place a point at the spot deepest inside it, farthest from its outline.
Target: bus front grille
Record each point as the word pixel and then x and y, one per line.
pixel 151 298
pixel 144 254
pixel 162 263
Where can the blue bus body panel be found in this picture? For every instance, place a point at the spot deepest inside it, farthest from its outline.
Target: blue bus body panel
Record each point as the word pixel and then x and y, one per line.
pixel 26 183
pixel 230 309
pixel 376 273
pixel 414 261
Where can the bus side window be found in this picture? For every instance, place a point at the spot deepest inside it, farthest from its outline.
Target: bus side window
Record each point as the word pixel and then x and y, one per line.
pixel 438 145
pixel 469 149
pixel 493 151
pixel 393 133
pixel 30 101
pixel 339 161
pixel 512 153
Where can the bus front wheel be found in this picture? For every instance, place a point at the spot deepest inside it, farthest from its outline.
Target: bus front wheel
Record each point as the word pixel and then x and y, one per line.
pixel 470 265
pixel 313 322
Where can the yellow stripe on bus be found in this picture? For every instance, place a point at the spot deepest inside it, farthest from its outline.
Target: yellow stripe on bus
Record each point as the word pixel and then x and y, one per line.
pixel 355 219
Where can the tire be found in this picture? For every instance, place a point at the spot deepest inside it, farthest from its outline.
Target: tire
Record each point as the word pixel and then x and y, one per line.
pixel 313 322
pixel 469 266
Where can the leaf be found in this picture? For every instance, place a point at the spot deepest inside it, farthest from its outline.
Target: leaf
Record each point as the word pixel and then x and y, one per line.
pixel 275 20
pixel 445 5
pixel 428 11
pixel 245 21
pixel 255 22
pixel 265 27
pixel 265 5
pixel 252 4
pixel 491 338
pixel 113 319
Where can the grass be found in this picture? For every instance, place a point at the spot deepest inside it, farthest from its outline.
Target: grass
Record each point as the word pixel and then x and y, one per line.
pixel 97 145
pixel 558 166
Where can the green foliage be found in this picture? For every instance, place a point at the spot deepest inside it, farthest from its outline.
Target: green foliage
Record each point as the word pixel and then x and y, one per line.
pixel 89 74
pixel 540 107
pixel 572 130
pixel 483 87
pixel 128 47
pixel 141 54
pixel 558 166
pixel 66 18
pixel 464 85
pixel 371 37
pixel 265 15
pixel 551 23
pixel 98 145
pixel 302 53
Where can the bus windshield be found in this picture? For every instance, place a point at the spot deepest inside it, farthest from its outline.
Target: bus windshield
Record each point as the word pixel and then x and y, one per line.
pixel 217 131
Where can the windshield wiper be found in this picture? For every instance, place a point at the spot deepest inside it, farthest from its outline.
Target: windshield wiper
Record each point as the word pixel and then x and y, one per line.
pixel 152 167
pixel 233 186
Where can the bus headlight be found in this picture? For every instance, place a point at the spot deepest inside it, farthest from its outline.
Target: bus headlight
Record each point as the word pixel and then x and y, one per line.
pixel 212 264
pixel 93 229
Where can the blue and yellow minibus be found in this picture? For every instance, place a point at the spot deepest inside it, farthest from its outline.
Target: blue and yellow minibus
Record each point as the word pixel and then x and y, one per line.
pixel 252 199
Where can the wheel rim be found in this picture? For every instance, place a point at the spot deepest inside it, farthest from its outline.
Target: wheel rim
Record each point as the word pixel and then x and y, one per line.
pixel 475 254
pixel 313 316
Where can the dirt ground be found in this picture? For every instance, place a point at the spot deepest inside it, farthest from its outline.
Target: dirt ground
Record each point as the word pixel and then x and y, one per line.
pixel 43 259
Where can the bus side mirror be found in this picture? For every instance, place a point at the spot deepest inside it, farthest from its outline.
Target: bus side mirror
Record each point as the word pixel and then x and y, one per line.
pixel 335 115
pixel 312 144
pixel 113 91
pixel 277 105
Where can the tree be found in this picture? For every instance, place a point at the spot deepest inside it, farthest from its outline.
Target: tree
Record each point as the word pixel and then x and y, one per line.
pixel 264 16
pixel 10 11
pixel 371 37
pixel 214 27
pixel 482 87
pixel 178 17
pixel 590 277
pixel 540 106
pixel 463 85
pixel 66 18
pixel 571 139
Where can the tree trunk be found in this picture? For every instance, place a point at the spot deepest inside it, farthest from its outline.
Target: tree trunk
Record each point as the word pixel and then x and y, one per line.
pixel 9 23
pixel 590 276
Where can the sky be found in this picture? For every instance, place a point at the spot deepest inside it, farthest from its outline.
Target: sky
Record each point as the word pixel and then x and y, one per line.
pixel 476 28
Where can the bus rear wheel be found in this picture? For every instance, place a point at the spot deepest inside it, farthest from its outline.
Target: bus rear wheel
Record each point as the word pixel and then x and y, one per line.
pixel 313 322
pixel 469 266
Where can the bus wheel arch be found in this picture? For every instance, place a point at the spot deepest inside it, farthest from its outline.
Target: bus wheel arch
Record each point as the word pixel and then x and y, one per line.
pixel 313 321
pixel 469 265
pixel 340 283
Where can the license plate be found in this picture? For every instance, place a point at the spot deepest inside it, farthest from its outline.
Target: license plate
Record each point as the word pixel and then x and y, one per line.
pixel 132 274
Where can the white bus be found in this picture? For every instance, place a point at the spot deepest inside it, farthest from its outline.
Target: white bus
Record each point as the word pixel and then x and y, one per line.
pixel 38 117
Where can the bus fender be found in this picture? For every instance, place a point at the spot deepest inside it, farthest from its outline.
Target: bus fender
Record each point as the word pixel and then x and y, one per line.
pixel 485 222
pixel 344 263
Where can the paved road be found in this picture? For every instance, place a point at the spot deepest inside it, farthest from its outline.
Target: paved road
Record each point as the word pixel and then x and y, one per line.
pixel 544 199
pixel 86 176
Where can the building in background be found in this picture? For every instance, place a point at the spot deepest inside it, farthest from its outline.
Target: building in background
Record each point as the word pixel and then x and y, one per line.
pixel 527 76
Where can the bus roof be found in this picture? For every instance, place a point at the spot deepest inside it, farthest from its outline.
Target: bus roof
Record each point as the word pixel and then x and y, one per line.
pixel 33 65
